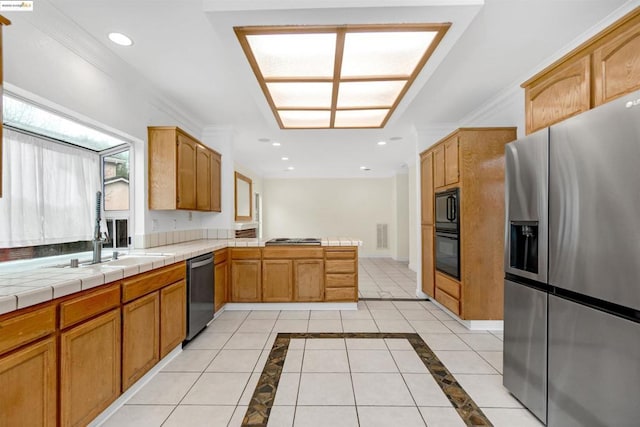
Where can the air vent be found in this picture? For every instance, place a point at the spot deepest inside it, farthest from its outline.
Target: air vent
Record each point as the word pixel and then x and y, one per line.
pixel 382 240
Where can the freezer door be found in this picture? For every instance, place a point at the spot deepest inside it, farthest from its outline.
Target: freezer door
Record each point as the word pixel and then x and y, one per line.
pixel 525 346
pixel 594 370
pixel 594 203
pixel 526 192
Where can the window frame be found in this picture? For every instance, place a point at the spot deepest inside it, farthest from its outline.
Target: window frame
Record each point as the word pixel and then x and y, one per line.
pixel 120 214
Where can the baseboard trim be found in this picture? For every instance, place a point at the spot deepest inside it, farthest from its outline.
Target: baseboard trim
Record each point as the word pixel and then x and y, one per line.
pixel 284 306
pixel 472 325
pixel 119 402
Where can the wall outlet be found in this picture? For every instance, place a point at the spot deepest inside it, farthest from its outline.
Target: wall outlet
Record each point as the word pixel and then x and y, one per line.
pixel 190 216
pixel 154 225
pixel 175 224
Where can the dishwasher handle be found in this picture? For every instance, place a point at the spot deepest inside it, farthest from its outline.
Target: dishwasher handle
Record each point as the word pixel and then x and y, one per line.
pixel 202 263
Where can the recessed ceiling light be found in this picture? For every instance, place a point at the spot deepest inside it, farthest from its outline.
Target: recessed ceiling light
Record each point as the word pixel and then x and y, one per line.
pixel 382 142
pixel 364 168
pixel 276 144
pixel 285 158
pixel 120 39
pixel 347 76
pixel 290 168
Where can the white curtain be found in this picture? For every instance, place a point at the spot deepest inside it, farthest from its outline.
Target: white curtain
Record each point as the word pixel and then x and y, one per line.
pixel 48 192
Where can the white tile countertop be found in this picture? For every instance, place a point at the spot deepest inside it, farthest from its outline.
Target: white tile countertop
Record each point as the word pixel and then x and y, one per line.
pixel 30 282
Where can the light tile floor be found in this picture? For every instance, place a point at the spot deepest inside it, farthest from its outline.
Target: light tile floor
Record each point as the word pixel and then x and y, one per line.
pixel 328 382
pixel 385 278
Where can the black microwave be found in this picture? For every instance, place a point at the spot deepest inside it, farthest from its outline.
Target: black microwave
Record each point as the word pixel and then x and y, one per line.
pixel 447 210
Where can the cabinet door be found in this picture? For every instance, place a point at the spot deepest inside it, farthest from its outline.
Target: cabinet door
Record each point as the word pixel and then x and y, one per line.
pixel 203 178
pixel 216 183
pixel 426 188
pixel 140 337
pixel 451 161
pixel 428 261
pixel 173 316
pixel 438 167
pixel 561 94
pixel 186 173
pixel 616 63
pixel 277 280
pixel 28 386
pixel 221 285
pixel 89 368
pixel 308 279
pixel 245 281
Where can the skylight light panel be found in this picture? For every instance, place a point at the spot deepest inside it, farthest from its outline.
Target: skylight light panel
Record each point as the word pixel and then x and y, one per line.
pixel 294 55
pixel 360 118
pixel 301 119
pixel 384 53
pixel 301 95
pixel 369 94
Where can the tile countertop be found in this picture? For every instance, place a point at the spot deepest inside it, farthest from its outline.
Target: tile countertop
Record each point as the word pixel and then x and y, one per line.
pixel 26 284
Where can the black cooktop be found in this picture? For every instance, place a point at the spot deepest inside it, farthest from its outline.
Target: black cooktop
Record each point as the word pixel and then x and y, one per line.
pixel 286 241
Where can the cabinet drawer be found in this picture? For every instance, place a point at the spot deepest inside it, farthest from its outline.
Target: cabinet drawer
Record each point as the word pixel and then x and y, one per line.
pixel 220 256
pixel 340 280
pixel 292 253
pixel 253 253
pixel 340 294
pixel 22 329
pixel 448 301
pixel 85 307
pixel 145 283
pixel 448 285
pixel 340 266
pixel 340 253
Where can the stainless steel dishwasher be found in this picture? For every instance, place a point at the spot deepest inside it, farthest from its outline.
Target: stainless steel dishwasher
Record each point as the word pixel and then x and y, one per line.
pixel 200 293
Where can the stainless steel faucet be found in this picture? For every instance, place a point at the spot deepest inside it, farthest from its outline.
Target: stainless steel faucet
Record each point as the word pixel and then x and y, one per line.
pixel 97 240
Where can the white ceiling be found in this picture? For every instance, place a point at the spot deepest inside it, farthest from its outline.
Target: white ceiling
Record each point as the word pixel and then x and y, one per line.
pixel 187 48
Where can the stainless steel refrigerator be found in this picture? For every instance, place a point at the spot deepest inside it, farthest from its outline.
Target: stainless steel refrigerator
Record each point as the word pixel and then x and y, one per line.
pixel 593 291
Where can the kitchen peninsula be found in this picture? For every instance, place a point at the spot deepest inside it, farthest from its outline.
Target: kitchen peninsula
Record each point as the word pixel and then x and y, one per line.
pixel 131 312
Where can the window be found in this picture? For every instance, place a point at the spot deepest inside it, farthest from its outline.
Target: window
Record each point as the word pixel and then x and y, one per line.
pixel 53 167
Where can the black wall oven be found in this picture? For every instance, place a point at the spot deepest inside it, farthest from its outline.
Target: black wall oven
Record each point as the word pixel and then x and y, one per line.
pixel 447 238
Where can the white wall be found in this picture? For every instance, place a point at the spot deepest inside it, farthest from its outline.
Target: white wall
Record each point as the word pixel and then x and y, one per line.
pixel 414 217
pixel 73 74
pixel 328 208
pixel 399 234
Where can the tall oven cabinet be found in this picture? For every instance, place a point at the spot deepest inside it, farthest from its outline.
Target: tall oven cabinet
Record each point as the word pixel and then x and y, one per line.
pixel 472 161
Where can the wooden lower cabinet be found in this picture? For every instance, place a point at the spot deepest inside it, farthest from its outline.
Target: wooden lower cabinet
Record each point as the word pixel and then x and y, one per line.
pixel 277 280
pixel 221 276
pixel 308 279
pixel 246 283
pixel 28 386
pixel 173 316
pixel 428 258
pixel 89 368
pixel 140 336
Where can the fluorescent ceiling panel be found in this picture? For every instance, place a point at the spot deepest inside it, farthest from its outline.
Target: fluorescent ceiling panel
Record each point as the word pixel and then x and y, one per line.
pixel 303 119
pixel 370 93
pixel 360 118
pixel 301 95
pixel 299 55
pixel 348 76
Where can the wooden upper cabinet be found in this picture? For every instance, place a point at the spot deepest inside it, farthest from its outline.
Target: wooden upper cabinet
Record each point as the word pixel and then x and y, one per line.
pixel 28 386
pixel 183 173
pixel 216 183
pixel 445 164
pixel 426 188
pixel 203 179
pixel 438 167
pixel 616 63
pixel 558 95
pixel 277 280
pixel 451 170
pixel 3 21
